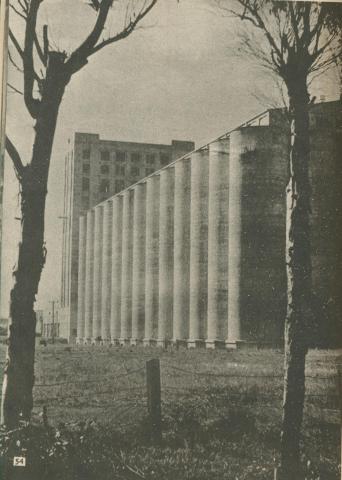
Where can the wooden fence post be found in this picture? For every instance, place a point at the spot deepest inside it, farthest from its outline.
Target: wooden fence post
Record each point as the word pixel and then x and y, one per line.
pixel 154 398
pixel 45 417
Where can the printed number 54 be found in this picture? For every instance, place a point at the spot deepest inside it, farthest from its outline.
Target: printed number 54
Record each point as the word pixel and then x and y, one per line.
pixel 19 461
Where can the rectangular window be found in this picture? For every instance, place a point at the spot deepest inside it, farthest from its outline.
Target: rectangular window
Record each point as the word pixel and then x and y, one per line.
pixel 164 159
pixel 104 169
pixel 135 157
pixel 150 158
pixel 149 171
pixel 105 155
pixel 135 171
pixel 104 186
pixel 120 170
pixel 120 156
pixel 119 185
pixel 85 202
pixel 86 168
pixel 85 184
pixel 86 153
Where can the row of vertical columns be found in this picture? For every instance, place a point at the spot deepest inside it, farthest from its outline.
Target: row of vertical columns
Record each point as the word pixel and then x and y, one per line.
pixel 89 273
pixel 152 260
pixel 97 285
pixel 181 273
pixel 218 220
pixel 166 224
pixel 106 271
pixel 234 238
pixel 156 260
pixel 138 280
pixel 127 267
pixel 81 279
pixel 198 248
pixel 115 316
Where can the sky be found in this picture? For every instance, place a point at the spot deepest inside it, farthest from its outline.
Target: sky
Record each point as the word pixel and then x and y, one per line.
pixel 179 76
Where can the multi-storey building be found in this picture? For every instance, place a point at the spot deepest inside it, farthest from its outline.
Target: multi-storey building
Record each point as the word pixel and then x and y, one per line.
pixel 96 169
pixel 195 253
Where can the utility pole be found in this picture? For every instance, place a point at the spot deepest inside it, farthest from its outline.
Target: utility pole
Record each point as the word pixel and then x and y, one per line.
pixel 53 302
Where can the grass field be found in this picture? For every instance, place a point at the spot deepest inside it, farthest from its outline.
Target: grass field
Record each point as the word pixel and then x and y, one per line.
pixel 221 410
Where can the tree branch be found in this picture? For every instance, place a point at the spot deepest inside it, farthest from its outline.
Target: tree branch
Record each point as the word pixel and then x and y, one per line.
pixel 24 5
pixel 39 49
pixel 45 43
pixel 319 51
pixel 15 43
pixel 16 66
pixel 294 23
pixel 127 30
pixel 14 89
pixel 79 57
pixel 319 23
pixel 21 54
pixel 20 14
pixel 14 155
pixel 259 23
pixel 31 103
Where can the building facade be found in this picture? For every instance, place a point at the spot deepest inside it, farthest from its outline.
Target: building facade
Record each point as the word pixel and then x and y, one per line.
pixel 95 170
pixel 195 252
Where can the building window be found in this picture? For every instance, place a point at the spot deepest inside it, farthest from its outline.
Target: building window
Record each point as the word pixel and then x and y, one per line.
pixel 149 171
pixel 86 168
pixel 135 171
pixel 85 184
pixel 135 157
pixel 104 169
pixel 120 170
pixel 150 158
pixel 105 155
pixel 86 153
pixel 164 159
pixel 119 185
pixel 104 186
pixel 120 156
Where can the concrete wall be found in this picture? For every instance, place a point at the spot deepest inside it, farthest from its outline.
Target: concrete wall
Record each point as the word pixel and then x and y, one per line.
pixel 202 255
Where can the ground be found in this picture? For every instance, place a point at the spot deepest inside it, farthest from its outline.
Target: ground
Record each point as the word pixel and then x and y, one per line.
pixel 221 410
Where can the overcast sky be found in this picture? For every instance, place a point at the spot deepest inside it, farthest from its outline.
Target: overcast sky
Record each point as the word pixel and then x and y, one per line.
pixel 178 78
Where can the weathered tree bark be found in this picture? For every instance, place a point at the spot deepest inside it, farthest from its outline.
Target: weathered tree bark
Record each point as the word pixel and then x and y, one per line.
pixel 298 261
pixel 17 398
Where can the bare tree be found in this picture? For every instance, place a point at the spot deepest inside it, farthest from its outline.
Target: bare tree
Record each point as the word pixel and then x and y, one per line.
pixel 43 92
pixel 298 40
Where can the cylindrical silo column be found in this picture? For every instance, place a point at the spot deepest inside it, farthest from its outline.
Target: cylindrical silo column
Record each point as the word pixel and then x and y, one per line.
pixel 234 239
pixel 138 286
pixel 126 269
pixel 81 279
pixel 115 311
pixel 218 243
pixel 198 248
pixel 166 211
pixel 106 270
pixel 98 230
pixel 89 277
pixel 181 273
pixel 152 260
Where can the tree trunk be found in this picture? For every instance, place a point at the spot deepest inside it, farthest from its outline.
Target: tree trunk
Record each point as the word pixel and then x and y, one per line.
pixel 299 283
pixel 17 399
